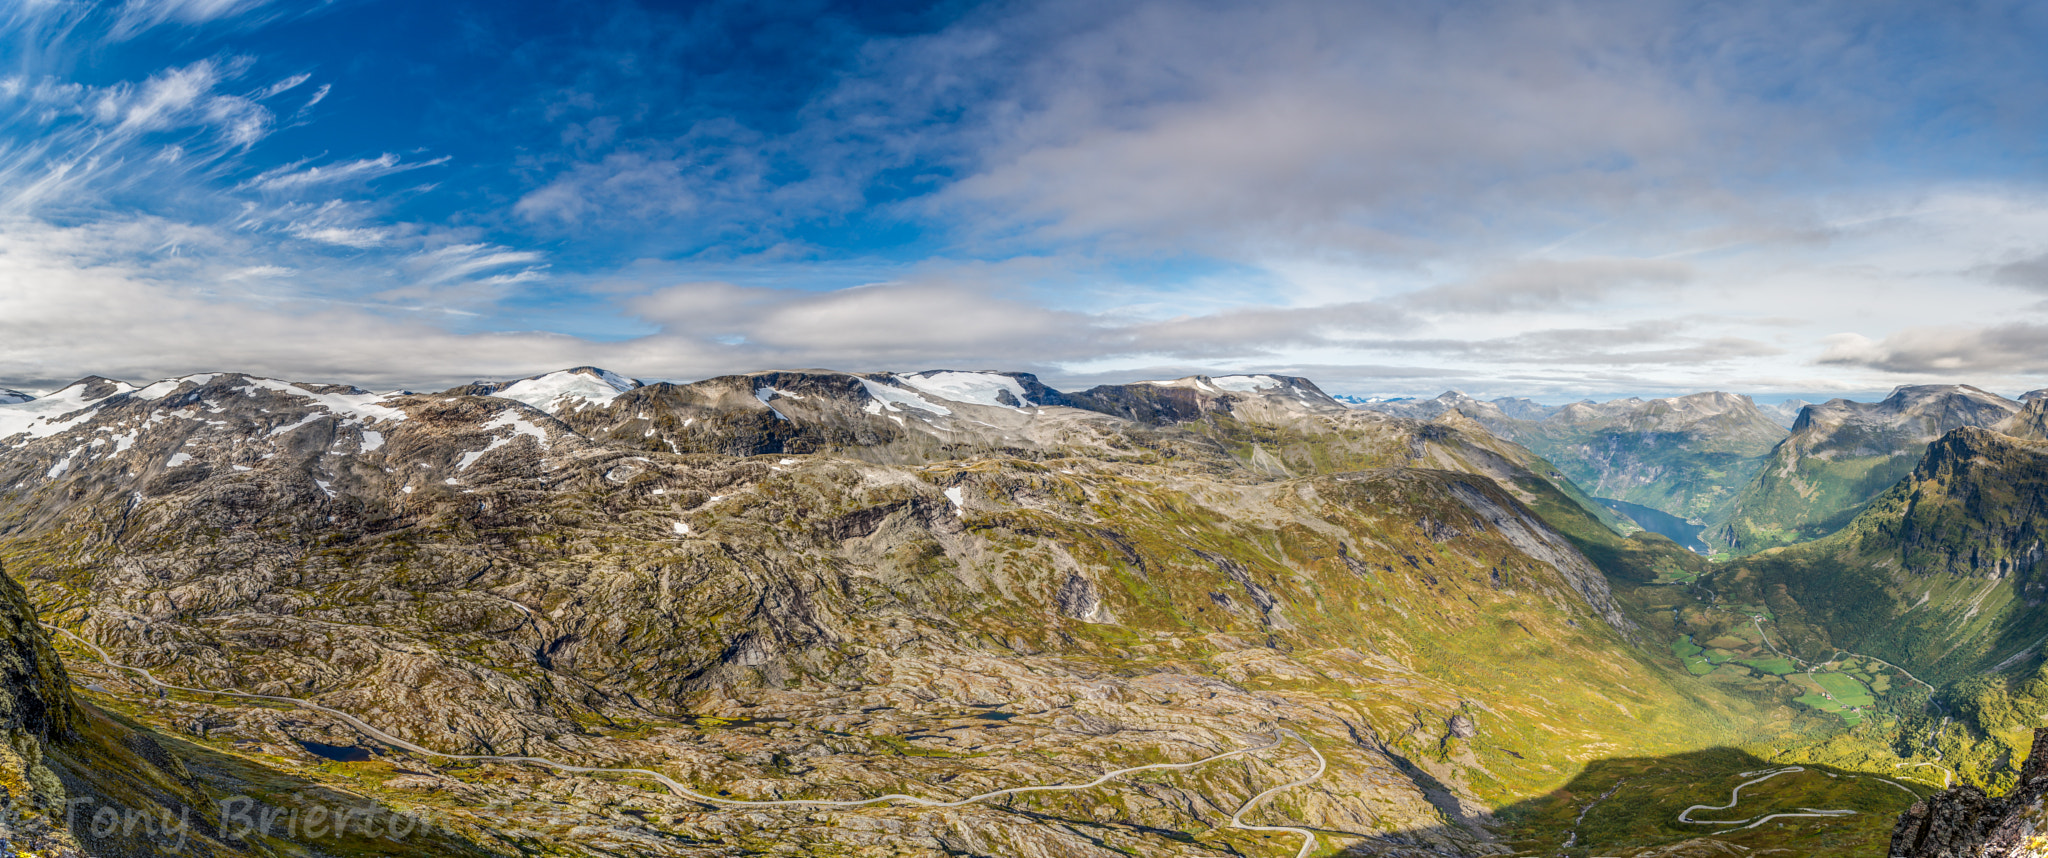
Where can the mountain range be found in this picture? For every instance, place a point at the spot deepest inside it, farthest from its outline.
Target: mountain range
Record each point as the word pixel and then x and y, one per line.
pixel 1737 475
pixel 817 586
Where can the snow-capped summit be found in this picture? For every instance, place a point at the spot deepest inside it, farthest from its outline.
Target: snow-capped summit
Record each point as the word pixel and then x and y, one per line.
pixel 1000 389
pixel 67 407
pixel 559 392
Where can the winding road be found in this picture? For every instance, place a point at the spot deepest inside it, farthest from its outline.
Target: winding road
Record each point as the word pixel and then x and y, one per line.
pixel 1735 798
pixel 1236 821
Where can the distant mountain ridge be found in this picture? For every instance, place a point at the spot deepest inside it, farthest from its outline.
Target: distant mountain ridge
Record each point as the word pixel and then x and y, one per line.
pixel 1841 454
pixel 1685 456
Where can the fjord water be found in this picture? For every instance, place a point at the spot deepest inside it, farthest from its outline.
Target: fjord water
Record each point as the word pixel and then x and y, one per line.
pixel 1658 521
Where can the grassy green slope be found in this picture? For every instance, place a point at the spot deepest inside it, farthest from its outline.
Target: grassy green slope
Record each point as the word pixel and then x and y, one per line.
pixel 1693 471
pixel 1937 574
pixel 1797 498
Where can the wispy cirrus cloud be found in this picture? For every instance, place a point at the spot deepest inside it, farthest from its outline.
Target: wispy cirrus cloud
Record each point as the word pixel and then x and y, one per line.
pixel 75 142
pixel 297 176
pixel 460 261
pixel 136 16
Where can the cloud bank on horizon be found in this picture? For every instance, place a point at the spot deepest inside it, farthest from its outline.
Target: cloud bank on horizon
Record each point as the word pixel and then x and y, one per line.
pixel 1554 199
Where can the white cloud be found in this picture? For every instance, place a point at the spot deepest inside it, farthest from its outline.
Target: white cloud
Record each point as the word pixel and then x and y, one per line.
pixel 361 238
pixel 284 85
pixel 297 176
pixel 2004 350
pixel 1543 283
pixel 85 139
pixel 459 261
pixel 139 15
pixel 106 298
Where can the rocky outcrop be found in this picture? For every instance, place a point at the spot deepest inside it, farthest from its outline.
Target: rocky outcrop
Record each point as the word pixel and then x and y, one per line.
pixel 1977 505
pixel 1963 822
pixel 1260 398
pixel 2031 422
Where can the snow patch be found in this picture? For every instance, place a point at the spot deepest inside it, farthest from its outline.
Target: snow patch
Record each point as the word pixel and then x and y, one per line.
pixel 562 391
pixel 1248 383
pixel 520 426
pixel 123 441
pixel 765 394
pixel 327 487
pixel 372 441
pixel 169 386
pixel 50 415
pixel 364 407
pixel 887 398
pixel 682 528
pixel 178 458
pixel 64 464
pixel 959 500
pixel 979 388
pixel 302 421
pixel 512 420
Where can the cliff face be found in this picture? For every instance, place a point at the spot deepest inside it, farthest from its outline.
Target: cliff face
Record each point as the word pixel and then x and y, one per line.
pixel 1965 823
pixel 35 710
pixel 1975 506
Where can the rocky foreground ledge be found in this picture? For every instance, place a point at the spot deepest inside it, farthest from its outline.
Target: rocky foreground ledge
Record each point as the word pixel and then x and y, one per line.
pixel 1963 822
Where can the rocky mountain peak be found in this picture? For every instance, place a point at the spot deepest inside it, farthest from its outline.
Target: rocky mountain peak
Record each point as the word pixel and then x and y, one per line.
pixel 1956 512
pixel 1522 408
pixel 1784 413
pixel 1182 400
pixel 11 397
pixel 557 392
pixel 984 387
pixel 2030 422
pixel 1923 412
pixel 1496 415
pixel 1843 454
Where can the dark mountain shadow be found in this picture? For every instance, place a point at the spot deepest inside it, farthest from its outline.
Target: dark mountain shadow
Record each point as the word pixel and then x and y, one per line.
pixel 136 792
pixel 1625 805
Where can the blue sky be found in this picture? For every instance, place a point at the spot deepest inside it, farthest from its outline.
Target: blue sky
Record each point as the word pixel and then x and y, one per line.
pixel 1546 199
